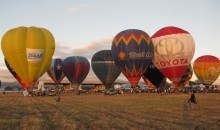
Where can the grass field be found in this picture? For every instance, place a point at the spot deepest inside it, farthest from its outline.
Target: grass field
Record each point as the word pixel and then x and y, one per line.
pixel 97 111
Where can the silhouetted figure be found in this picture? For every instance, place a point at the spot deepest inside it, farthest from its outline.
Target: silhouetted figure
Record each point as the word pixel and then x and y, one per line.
pixel 192 101
pixel 58 98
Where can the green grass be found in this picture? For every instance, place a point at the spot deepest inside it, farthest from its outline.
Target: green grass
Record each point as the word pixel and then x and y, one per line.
pixel 96 111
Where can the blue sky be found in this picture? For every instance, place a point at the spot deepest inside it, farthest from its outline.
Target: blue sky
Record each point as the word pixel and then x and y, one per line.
pixel 83 27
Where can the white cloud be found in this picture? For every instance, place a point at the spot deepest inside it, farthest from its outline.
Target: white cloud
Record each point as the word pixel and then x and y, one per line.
pixel 75 8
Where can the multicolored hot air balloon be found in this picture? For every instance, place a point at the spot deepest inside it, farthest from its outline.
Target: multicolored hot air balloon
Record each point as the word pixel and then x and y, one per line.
pixel 184 81
pixel 76 68
pixel 132 51
pixel 29 51
pixel 154 76
pixel 15 75
pixel 174 50
pixel 55 71
pixel 105 68
pixel 207 69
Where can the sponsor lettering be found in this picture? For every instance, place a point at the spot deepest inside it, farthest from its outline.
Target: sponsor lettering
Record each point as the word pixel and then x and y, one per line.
pixel 34 56
pixel 143 54
pixel 174 62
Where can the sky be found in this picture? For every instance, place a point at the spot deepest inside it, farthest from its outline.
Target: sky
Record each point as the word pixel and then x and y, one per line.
pixel 83 27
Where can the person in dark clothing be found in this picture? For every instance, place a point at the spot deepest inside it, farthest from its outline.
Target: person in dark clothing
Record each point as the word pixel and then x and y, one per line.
pixel 192 98
pixel 192 101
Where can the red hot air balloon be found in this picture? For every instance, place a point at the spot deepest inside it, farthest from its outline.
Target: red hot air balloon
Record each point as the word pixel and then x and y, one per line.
pixel 132 51
pixel 76 68
pixel 55 71
pixel 174 50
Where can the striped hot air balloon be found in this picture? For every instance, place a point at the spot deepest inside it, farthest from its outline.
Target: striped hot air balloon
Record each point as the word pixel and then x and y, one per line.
pixel 184 81
pixel 104 67
pixel 76 68
pixel 207 69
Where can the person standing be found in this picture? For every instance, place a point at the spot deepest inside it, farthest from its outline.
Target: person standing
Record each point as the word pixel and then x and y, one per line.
pixel 192 101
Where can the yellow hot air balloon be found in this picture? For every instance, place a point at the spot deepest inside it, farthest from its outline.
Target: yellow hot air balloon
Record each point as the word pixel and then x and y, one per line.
pixel 29 52
pixel 207 69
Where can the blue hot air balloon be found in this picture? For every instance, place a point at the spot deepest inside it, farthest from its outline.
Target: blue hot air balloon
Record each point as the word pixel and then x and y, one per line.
pixel 132 51
pixel 104 67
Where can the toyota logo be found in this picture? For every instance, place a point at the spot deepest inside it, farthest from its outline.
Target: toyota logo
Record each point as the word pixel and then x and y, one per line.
pixel 166 47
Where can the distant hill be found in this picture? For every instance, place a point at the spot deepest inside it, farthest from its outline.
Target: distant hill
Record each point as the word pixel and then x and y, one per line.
pixel 11 84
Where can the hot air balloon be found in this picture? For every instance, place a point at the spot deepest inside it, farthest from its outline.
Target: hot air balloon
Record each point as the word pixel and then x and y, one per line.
pixel 15 75
pixel 76 68
pixel 29 51
pixel 55 71
pixel 154 76
pixel 184 81
pixel 207 69
pixel 105 68
pixel 132 51
pixel 174 50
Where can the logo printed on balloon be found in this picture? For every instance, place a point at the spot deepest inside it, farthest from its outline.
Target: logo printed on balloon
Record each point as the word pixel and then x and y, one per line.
pixel 34 55
pixel 168 45
pixel 142 54
pixel 212 71
pixel 121 55
pixel 172 62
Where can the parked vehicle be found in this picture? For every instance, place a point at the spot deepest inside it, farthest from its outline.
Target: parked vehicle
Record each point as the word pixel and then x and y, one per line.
pixel 111 92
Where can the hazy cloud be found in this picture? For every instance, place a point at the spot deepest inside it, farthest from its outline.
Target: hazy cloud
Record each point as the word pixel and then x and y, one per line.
pixel 63 51
pixel 75 8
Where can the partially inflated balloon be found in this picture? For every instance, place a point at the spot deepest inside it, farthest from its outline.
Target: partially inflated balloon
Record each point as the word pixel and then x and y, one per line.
pixel 174 50
pixel 15 75
pixel 207 69
pixel 55 71
pixel 132 51
pixel 29 52
pixel 104 67
pixel 76 68
pixel 153 75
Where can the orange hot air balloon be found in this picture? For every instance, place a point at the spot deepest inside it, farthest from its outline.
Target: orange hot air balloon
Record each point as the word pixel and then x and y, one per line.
pixel 174 50
pixel 207 69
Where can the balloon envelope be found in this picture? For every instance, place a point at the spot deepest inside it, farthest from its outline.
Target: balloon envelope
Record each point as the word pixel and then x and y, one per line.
pixel 174 50
pixel 104 67
pixel 132 51
pixel 29 52
pixel 15 75
pixel 207 69
pixel 55 71
pixel 184 81
pixel 153 75
pixel 76 69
